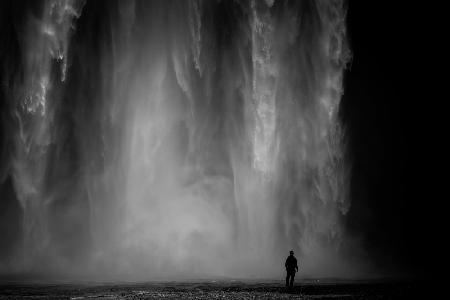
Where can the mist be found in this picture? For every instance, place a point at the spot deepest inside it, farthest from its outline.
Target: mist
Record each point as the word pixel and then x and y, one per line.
pixel 174 139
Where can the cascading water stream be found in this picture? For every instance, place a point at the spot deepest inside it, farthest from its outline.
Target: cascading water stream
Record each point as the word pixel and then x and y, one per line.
pixel 172 139
pixel 45 43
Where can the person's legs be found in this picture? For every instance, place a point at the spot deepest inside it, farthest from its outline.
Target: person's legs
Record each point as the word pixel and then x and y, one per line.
pixel 287 279
pixel 291 284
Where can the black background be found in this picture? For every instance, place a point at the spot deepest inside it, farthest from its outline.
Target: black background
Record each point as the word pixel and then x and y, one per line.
pixel 391 114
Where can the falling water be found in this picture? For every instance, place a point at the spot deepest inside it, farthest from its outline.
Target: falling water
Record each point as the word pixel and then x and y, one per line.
pixel 172 139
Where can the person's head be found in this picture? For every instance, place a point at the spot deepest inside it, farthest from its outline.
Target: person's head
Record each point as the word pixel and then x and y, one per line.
pixel 291 252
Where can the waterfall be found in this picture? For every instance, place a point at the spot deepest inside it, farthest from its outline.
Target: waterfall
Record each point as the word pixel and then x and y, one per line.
pixel 173 139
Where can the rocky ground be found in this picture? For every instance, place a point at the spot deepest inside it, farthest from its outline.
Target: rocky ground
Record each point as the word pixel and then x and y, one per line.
pixel 215 290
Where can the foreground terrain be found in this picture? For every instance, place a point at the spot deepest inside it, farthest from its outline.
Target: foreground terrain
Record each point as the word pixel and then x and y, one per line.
pixel 313 289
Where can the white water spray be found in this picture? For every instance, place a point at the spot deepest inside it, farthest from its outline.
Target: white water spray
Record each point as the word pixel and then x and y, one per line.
pixel 181 139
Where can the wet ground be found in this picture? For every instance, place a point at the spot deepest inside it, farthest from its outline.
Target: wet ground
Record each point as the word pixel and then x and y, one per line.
pixel 215 290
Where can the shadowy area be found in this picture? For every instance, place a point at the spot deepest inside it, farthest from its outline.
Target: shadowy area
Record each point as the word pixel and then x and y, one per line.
pixel 10 220
pixel 388 112
pixel 216 290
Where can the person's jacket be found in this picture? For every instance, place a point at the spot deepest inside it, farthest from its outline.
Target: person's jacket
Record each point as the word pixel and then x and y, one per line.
pixel 291 264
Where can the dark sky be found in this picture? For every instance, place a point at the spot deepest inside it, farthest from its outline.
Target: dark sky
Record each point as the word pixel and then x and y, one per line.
pixel 390 134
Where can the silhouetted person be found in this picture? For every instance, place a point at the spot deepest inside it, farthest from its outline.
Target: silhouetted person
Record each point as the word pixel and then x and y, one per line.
pixel 291 268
